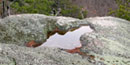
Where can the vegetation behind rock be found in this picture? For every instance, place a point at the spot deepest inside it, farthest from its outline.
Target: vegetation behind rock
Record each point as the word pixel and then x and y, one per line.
pixel 123 10
pixel 48 7
pixel 72 8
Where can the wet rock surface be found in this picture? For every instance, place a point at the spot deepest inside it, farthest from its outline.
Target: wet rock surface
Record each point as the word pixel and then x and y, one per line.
pixel 69 40
pixel 108 44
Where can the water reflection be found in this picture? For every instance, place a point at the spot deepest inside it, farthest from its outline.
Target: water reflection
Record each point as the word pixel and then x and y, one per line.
pixel 69 40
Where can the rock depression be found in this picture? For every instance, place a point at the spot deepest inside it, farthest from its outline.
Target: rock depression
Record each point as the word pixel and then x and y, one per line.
pixel 108 44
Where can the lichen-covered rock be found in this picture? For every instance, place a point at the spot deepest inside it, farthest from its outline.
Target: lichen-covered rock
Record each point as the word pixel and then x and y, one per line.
pixel 110 41
pixel 20 29
pixel 108 44
pixel 17 55
pixel 65 23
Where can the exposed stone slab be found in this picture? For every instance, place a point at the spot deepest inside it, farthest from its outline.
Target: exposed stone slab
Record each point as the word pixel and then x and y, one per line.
pixel 110 40
pixel 17 55
pixel 20 29
pixel 108 44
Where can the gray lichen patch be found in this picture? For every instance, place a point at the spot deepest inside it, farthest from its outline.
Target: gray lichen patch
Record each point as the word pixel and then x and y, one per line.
pixel 20 29
pixel 111 60
pixel 110 40
pixel 39 56
pixel 108 44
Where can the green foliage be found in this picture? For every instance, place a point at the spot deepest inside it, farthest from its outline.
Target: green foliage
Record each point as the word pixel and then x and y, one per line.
pixel 71 11
pixel 33 6
pixel 123 11
pixel 47 6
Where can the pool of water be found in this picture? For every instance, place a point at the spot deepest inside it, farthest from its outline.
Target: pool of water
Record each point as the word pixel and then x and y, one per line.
pixel 69 40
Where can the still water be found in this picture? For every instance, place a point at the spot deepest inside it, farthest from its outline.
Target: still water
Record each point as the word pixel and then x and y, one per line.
pixel 69 40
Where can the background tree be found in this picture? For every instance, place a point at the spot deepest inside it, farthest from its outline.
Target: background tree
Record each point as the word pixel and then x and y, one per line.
pixel 5 8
